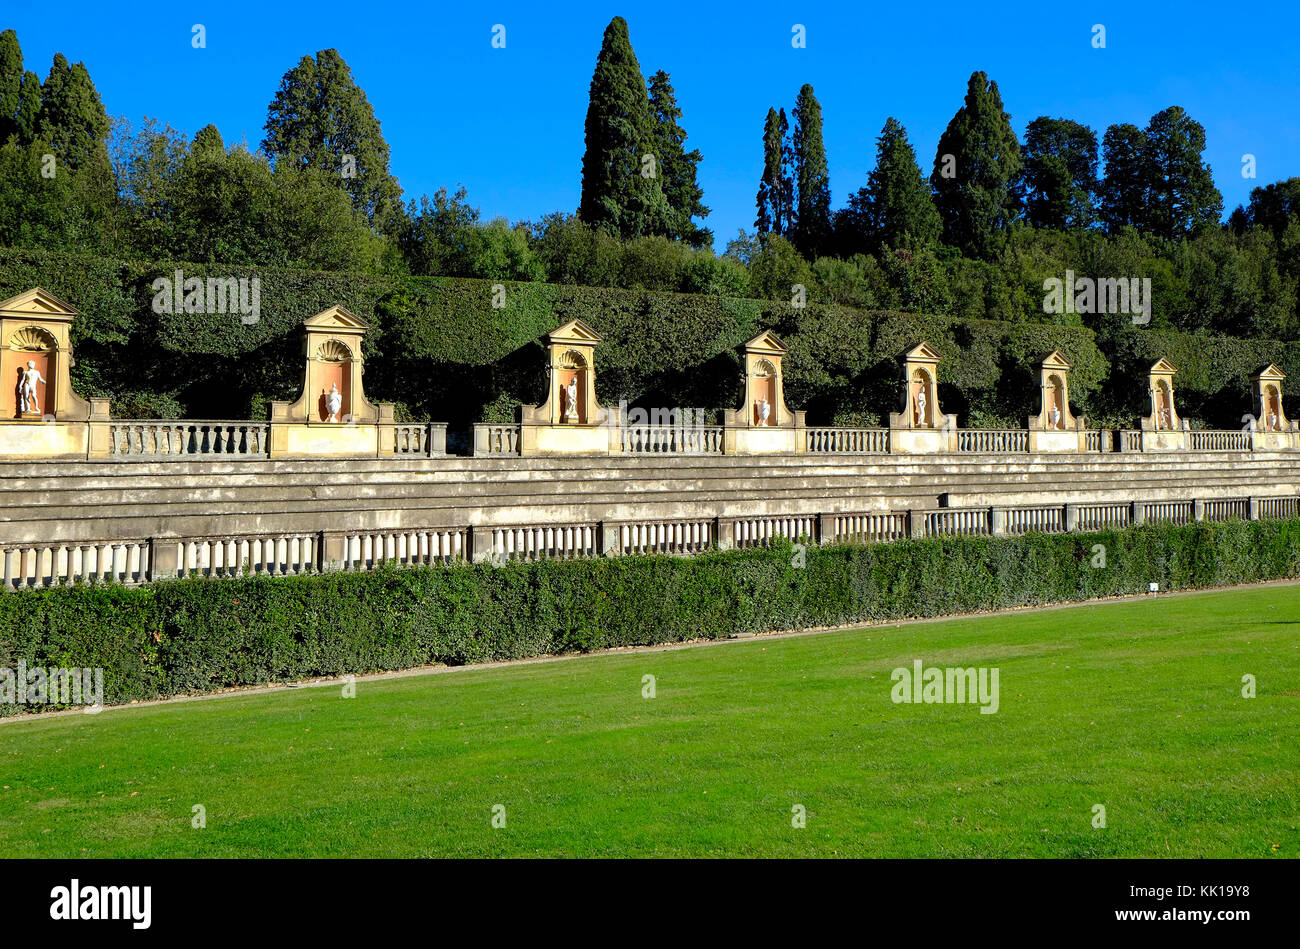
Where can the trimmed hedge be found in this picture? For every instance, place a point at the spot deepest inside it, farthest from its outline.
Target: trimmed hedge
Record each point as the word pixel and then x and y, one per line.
pixel 196 635
pixel 439 349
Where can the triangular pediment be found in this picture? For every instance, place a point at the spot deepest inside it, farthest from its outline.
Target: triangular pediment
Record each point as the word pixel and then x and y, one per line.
pixel 1163 366
pixel 1270 372
pixel 923 352
pixel 574 331
pixel 1054 360
pixel 36 303
pixel 766 342
pixel 336 318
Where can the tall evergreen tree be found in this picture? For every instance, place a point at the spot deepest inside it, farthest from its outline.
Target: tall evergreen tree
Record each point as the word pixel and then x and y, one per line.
pixel 776 213
pixel 29 107
pixel 208 142
pixel 1123 191
pixel 618 196
pixel 11 84
pixel 1180 191
pixel 321 119
pixel 812 178
pixel 677 167
pixel 72 117
pixel 1059 184
pixel 895 207
pixel 975 168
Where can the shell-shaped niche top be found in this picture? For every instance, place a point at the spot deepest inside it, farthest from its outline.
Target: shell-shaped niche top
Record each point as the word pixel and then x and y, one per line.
pixel 32 339
pixel 764 369
pixel 333 351
pixel 572 359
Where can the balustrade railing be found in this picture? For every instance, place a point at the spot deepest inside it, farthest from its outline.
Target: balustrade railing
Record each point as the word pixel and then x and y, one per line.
pixel 1275 508
pixel 366 550
pixel 667 537
pixel 494 439
pixel 870 528
pixel 1220 441
pixel 273 555
pixel 1099 517
pixel 673 439
pixel 1130 439
pixel 1168 512
pixel 848 441
pixel 1047 520
pixel 959 522
pixel 563 542
pixel 992 441
pixel 422 439
pixel 166 439
pixel 1227 509
pixel 758 531
pixel 31 566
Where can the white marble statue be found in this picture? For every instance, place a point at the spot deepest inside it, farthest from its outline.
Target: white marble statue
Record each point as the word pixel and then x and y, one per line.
pixel 920 406
pixel 27 389
pixel 1165 420
pixel 764 410
pixel 1055 417
pixel 571 400
pixel 334 402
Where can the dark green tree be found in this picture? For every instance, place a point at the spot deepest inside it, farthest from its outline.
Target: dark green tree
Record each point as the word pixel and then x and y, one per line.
pixel 1123 191
pixel 29 107
pixel 1059 183
pixel 1180 192
pixel 11 83
pixel 776 213
pixel 975 168
pixel 208 141
pixel 1272 208
pixel 620 195
pixel 677 168
pixel 812 178
pixel 321 119
pixel 895 208
pixel 72 117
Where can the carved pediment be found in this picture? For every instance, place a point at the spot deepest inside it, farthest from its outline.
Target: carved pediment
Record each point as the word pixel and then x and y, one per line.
pixel 766 342
pixel 574 331
pixel 1270 373
pixel 1054 360
pixel 922 353
pixel 1163 367
pixel 37 303
pixel 336 318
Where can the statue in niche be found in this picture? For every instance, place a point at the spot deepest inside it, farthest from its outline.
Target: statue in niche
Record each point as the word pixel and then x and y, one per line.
pixel 27 402
pixel 571 400
pixel 764 410
pixel 920 405
pixel 1055 416
pixel 334 402
pixel 1271 420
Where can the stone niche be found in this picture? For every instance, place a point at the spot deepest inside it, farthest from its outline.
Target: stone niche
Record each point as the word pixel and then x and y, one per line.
pixel 921 426
pixel 40 415
pixel 570 421
pixel 763 424
pixel 334 362
pixel 1272 429
pixel 1163 430
pixel 1055 428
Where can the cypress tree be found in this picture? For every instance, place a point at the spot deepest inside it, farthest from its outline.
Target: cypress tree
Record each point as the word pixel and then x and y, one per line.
pixel 11 83
pixel 618 196
pixel 29 107
pixel 895 207
pixel 677 167
pixel 974 187
pixel 72 117
pixel 320 118
pixel 813 228
pixel 776 187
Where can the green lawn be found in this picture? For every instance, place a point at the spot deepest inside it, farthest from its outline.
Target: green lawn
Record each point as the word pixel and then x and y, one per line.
pixel 1136 706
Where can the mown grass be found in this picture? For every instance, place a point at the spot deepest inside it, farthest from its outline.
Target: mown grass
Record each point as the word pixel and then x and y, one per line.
pixel 1136 705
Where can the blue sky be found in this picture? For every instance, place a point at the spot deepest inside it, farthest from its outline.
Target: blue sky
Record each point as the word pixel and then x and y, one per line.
pixel 508 123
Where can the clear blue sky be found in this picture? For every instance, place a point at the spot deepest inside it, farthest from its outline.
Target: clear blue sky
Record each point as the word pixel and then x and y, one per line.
pixel 508 123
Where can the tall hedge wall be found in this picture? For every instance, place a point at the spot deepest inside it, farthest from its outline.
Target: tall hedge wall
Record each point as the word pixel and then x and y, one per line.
pixel 440 350
pixel 195 635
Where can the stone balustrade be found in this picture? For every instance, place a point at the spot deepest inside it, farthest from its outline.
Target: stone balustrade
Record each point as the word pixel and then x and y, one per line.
pixel 160 438
pixel 992 440
pixel 28 566
pixel 673 439
pixel 494 439
pixel 848 441
pixel 1207 440
pixel 421 439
